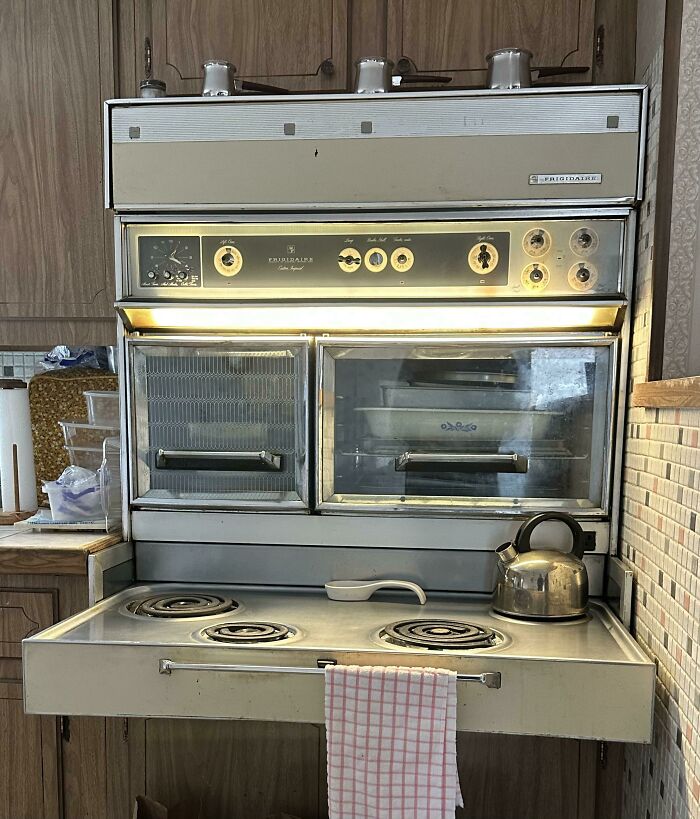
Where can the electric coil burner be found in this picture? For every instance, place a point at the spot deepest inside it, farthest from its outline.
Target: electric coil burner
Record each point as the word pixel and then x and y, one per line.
pixel 439 634
pixel 182 605
pixel 246 633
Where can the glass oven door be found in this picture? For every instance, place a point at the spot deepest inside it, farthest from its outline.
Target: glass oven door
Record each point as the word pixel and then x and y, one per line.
pixel 219 423
pixel 466 424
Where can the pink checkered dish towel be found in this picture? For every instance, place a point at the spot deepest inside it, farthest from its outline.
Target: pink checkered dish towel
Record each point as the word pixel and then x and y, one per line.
pixel 392 743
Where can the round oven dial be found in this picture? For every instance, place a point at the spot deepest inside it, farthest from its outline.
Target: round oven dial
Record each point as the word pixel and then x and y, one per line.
pixel 402 259
pixel 228 260
pixel 583 276
pixel 349 260
pixel 537 242
pixel 483 258
pixel 375 259
pixel 535 277
pixel 584 241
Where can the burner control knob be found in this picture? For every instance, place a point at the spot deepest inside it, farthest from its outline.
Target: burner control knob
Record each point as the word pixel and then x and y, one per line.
pixel 375 259
pixel 584 241
pixel 537 242
pixel 535 277
pixel 228 260
pixel 583 276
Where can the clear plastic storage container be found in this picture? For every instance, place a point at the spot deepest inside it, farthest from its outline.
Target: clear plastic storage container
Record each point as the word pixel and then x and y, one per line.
pixel 102 407
pixel 81 434
pixel 86 456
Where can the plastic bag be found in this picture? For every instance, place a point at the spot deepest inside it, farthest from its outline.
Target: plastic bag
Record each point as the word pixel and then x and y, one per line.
pixel 75 496
pixel 63 356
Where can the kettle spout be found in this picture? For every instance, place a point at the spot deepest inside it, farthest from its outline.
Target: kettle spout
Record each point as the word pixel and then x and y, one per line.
pixel 506 554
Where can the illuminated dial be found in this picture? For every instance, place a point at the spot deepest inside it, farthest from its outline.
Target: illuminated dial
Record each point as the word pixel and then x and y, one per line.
pixel 402 259
pixel 483 258
pixel 535 277
pixel 228 260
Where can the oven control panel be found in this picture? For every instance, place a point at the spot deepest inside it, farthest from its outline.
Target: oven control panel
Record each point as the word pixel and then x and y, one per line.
pixel 549 258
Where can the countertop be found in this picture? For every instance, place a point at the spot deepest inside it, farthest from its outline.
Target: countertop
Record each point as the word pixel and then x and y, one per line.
pixel 26 552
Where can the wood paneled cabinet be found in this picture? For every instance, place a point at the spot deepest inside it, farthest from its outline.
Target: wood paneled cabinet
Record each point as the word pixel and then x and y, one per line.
pixel 453 37
pixel 296 44
pixel 56 280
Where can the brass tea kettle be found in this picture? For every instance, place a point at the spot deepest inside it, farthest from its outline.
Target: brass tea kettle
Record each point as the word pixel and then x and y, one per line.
pixel 542 584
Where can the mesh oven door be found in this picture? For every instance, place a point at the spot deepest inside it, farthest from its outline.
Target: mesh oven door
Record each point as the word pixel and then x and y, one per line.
pixel 219 424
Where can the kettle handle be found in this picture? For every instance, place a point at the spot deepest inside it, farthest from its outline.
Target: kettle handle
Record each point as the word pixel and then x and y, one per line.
pixel 522 539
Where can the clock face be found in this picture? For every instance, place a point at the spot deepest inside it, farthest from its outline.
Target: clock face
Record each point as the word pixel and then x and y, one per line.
pixel 173 254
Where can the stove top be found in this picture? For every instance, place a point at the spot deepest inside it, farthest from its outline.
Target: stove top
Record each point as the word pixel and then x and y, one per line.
pixel 170 650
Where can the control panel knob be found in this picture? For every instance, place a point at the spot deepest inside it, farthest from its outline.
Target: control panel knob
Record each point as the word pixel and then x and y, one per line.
pixel 349 260
pixel 152 275
pixel 535 277
pixel 167 275
pixel 375 259
pixel 483 258
pixel 228 260
pixel 182 275
pixel 584 241
pixel 537 242
pixel 583 276
pixel 402 259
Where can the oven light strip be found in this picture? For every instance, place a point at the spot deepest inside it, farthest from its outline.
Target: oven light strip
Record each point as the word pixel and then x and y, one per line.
pixel 316 318
pixel 491 679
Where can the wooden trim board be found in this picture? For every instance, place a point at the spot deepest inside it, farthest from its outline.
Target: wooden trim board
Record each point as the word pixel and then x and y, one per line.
pixel 683 393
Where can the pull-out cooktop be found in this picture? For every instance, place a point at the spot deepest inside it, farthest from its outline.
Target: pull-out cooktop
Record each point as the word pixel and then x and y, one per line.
pixel 260 653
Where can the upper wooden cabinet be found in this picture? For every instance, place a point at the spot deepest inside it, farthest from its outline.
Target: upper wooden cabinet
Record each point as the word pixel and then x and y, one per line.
pixel 55 257
pixel 453 37
pixel 297 44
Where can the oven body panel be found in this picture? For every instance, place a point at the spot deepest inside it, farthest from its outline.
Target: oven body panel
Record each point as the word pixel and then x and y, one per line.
pixel 568 145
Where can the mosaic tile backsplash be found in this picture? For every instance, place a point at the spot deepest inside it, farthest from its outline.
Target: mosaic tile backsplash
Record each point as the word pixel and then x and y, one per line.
pixel 18 364
pixel 660 540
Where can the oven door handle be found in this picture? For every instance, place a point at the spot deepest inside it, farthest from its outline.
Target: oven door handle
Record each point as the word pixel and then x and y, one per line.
pixel 259 461
pixel 491 679
pixel 460 462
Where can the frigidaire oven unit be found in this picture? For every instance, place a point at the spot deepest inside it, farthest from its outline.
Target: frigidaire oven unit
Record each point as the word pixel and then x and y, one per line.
pixel 363 337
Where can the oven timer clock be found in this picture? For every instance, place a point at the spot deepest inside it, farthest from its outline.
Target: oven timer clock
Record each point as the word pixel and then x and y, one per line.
pixel 169 261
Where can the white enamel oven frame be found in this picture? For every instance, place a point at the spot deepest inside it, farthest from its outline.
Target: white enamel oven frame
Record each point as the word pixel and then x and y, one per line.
pixel 327 500
pixel 299 344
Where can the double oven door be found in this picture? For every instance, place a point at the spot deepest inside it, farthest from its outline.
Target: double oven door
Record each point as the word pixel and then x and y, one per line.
pixel 423 425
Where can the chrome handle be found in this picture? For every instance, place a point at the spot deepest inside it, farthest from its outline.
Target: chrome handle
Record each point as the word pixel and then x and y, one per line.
pixel 260 461
pixel 460 462
pixel 491 679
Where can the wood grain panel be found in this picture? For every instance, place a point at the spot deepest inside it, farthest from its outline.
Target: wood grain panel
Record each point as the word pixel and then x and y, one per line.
pixel 280 42
pixel 23 613
pixel 53 248
pixel 210 769
pixel 453 37
pixel 616 23
pixel 368 24
pixel 674 392
pixel 27 748
pixel 509 777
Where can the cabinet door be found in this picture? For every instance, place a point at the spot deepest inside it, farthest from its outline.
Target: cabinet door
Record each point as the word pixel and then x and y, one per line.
pixel 53 254
pixel 295 44
pixel 28 744
pixel 453 37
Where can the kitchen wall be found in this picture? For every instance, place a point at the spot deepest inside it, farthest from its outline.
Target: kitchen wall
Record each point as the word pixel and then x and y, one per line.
pixel 19 364
pixel 660 536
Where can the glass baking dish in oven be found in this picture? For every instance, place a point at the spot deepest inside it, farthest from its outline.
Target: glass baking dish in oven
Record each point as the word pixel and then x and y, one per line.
pixel 219 423
pixel 449 424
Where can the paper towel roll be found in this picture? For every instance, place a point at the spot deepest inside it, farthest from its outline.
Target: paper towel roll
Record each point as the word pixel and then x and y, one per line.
pixel 16 437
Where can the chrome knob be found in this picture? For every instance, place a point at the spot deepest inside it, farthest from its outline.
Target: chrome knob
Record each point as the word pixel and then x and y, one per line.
pixel 585 239
pixel 536 275
pixel 152 275
pixel 167 275
pixel 583 274
pixel 376 258
pixel 182 275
